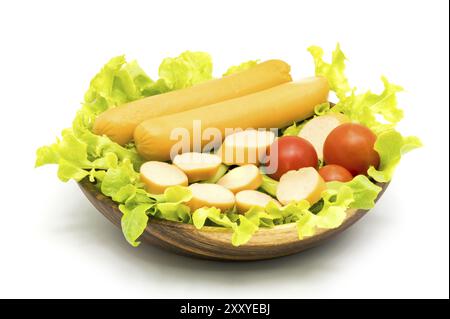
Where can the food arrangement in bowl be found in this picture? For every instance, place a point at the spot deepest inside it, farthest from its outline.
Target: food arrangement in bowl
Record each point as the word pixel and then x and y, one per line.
pixel 251 165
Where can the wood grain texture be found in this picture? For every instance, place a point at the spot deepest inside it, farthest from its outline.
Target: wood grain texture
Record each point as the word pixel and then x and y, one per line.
pixel 215 242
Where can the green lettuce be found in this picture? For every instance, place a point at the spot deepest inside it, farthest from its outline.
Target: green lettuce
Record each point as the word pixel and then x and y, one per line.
pixel 297 212
pixel 117 177
pixel 249 223
pixel 138 205
pixel 391 145
pixel 330 214
pixel 260 217
pixel 269 185
pixel 242 226
pixel 334 71
pixel 187 69
pixel 117 82
pixel 214 215
pixel 379 112
pixel 243 231
pixel 306 224
pixel 364 191
pixel 335 204
pixel 133 222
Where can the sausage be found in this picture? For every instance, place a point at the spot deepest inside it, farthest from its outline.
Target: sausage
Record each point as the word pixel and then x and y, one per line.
pixel 198 166
pixel 157 176
pixel 276 107
pixel 248 198
pixel 210 195
pixel 304 184
pixel 246 147
pixel 242 178
pixel 119 123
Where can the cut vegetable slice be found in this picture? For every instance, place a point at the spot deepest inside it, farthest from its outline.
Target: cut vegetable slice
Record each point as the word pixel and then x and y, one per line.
pixel 317 129
pixel 246 147
pixel 210 195
pixel 198 166
pixel 157 176
pixel 306 183
pixel 242 178
pixel 249 198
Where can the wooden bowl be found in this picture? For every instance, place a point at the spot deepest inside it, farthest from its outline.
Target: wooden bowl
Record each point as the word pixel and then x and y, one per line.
pixel 215 242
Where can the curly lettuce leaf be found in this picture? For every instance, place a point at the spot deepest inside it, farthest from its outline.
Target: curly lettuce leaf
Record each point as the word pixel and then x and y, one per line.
pixel 140 81
pixel 243 231
pixel 77 155
pixel 298 213
pixel 125 194
pixel 334 71
pixel 117 82
pixel 171 205
pixel 329 214
pixel 187 69
pixel 139 196
pixel 117 177
pixel 334 208
pixel 241 67
pixel 243 226
pixel 68 171
pixel 306 221
pixel 391 145
pixel 176 212
pixel 365 108
pixel 369 108
pixel 99 146
pixel 109 160
pixel 306 225
pixel 133 222
pixel 283 214
pixel 213 214
pixel 258 216
pixel 72 149
pixel 364 191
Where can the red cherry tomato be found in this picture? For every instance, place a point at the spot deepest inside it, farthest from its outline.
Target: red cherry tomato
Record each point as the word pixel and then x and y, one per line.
pixel 333 172
pixel 289 153
pixel 351 145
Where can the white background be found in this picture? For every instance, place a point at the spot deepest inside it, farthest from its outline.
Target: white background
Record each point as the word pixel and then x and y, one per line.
pixel 53 243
